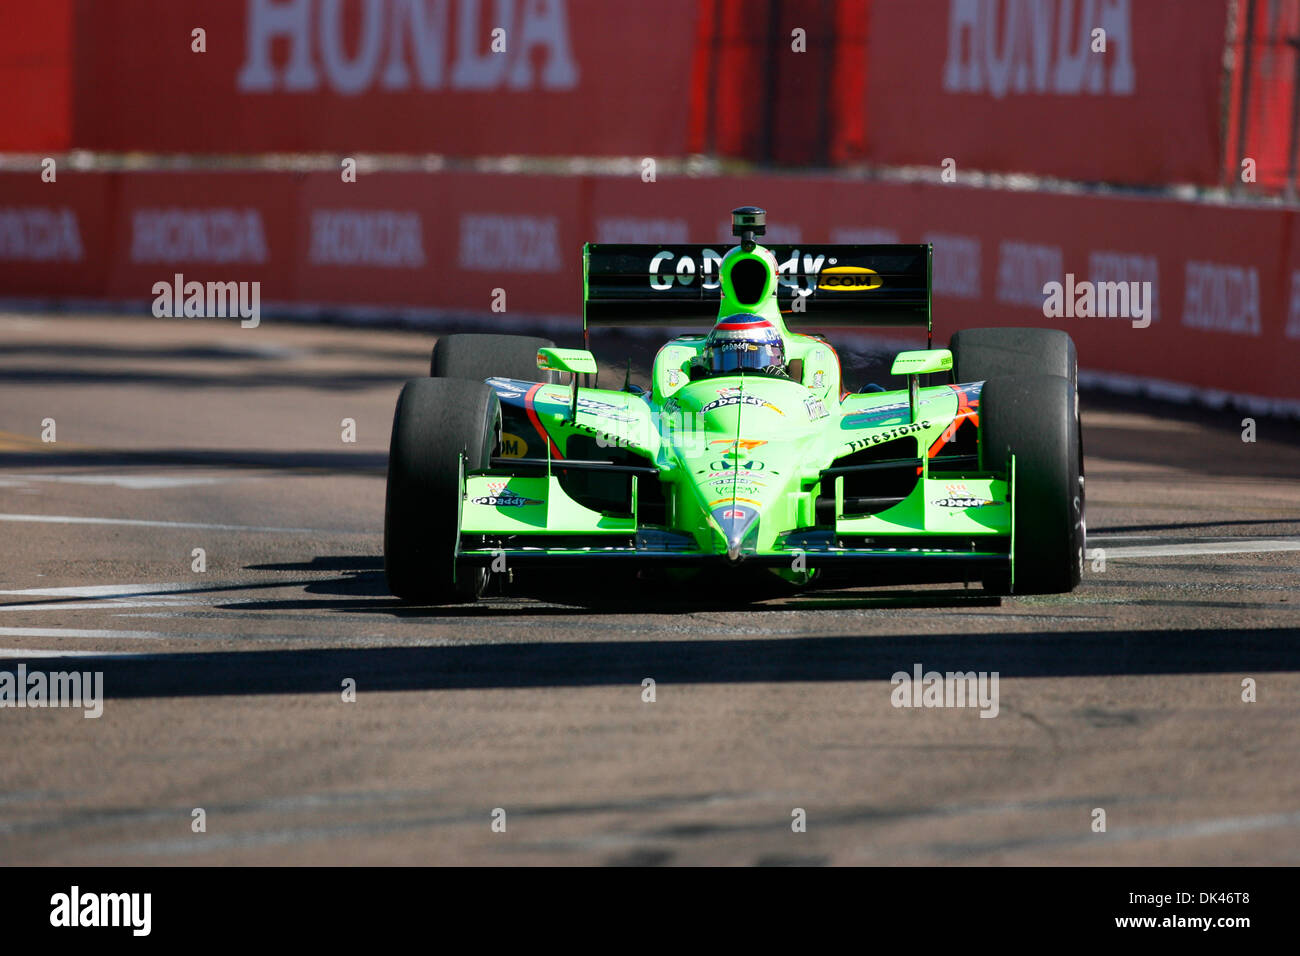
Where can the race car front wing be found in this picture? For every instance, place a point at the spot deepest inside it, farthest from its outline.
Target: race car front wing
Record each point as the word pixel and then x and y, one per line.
pixel 944 530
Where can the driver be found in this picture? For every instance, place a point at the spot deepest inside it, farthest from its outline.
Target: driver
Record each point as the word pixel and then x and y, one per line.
pixel 744 343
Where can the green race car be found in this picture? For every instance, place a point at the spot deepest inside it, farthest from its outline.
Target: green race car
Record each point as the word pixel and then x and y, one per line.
pixel 746 454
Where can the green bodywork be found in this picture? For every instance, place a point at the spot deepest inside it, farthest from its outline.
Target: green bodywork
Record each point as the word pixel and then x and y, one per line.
pixel 737 466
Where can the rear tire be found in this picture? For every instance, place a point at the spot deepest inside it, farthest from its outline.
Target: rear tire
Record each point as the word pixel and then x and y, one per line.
pixel 436 421
pixel 1034 417
pixel 477 357
pixel 981 354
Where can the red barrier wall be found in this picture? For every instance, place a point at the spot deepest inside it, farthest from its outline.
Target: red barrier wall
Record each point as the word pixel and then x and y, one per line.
pixel 54 237
pixel 1013 85
pixel 1008 85
pixel 1271 66
pixel 441 241
pixel 206 226
pixel 1226 280
pixel 574 77
pixel 1221 291
pixel 36 73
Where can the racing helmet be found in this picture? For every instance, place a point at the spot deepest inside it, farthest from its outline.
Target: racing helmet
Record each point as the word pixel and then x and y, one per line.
pixel 744 342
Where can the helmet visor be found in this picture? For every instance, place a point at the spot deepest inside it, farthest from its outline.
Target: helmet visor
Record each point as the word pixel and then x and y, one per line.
pixel 740 355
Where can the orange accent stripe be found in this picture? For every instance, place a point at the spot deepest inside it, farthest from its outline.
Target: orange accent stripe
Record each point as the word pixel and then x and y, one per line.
pixel 537 422
pixel 964 412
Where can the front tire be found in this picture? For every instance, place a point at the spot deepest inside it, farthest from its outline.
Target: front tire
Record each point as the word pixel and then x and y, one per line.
pixel 1035 418
pixel 477 357
pixel 435 422
pixel 981 354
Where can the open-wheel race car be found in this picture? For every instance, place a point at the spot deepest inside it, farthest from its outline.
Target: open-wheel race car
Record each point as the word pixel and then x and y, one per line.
pixel 746 454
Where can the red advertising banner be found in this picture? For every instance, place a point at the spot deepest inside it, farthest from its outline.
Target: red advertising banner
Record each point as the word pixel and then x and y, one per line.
pixel 1024 86
pixel 55 236
pixel 205 227
pixel 1220 312
pixel 456 77
pixel 1291 283
pixel 476 243
pixel 1203 295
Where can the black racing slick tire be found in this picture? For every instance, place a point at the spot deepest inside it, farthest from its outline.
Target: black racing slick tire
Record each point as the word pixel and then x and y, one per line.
pixel 436 421
pixel 1035 418
pixel 476 357
pixel 981 354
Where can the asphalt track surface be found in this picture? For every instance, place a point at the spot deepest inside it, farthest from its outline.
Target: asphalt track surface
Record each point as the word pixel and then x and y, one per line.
pixel 224 687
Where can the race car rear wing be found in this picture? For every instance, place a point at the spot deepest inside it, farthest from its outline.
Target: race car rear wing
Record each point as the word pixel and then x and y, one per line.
pixel 841 285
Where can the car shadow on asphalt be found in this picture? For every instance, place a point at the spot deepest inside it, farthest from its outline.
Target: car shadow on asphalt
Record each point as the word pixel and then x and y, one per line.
pixel 1049 653
pixel 362 588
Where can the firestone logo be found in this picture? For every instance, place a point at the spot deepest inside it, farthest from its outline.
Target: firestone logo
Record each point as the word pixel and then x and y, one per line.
pixel 406 44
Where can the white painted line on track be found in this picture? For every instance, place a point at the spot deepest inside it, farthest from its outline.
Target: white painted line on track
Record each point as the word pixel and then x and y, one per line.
pixel 1106 536
pixel 1241 546
pixel 108 604
pixel 109 597
pixel 131 482
pixel 119 597
pixel 14 653
pixel 83 633
pixel 142 523
pixel 1207 828
pixel 101 590
pixel 1195 829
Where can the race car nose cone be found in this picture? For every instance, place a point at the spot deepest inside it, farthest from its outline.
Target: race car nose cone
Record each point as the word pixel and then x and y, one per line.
pixel 739 525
